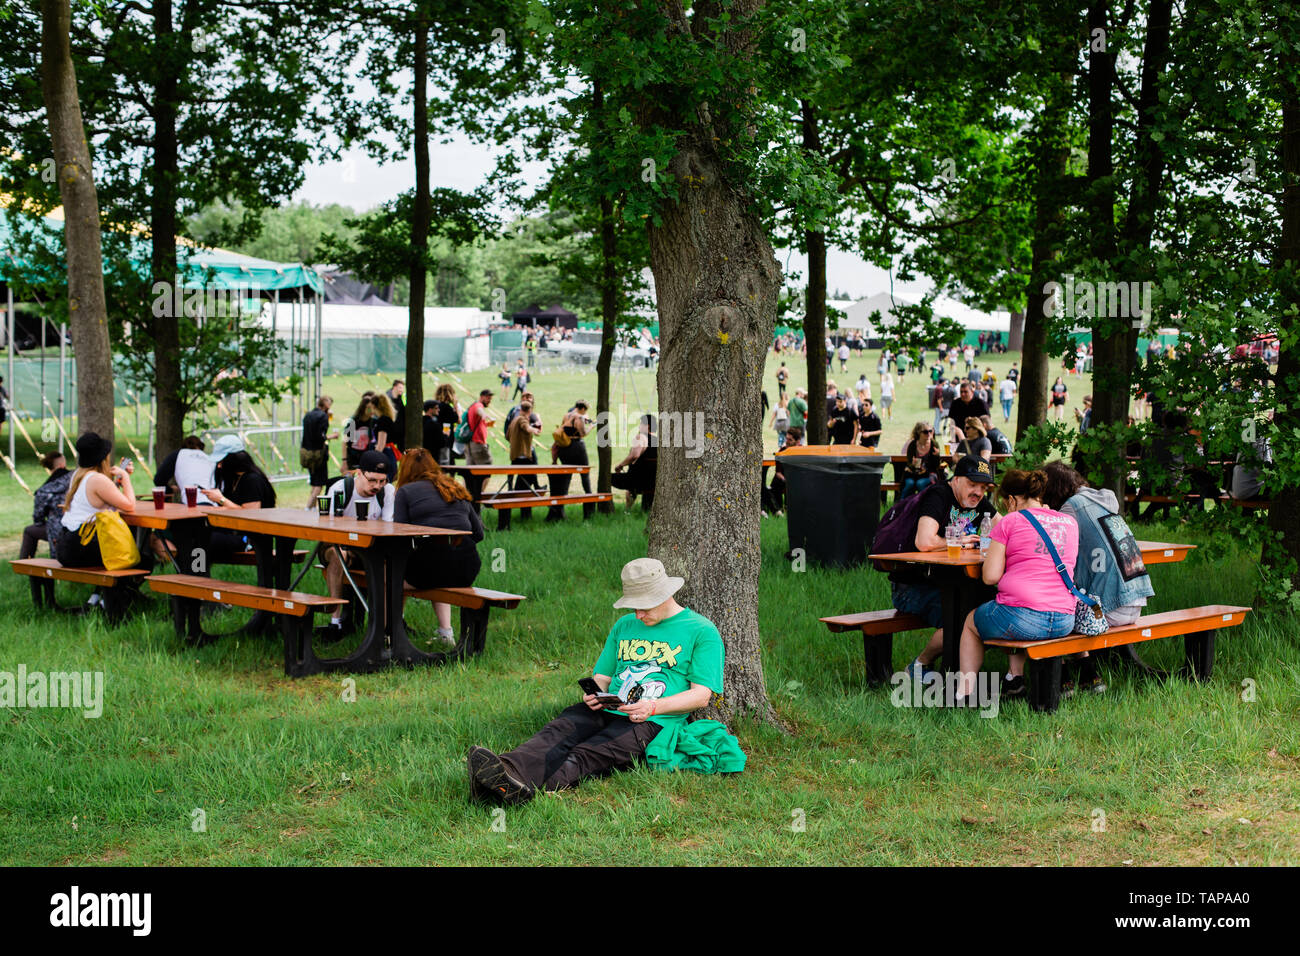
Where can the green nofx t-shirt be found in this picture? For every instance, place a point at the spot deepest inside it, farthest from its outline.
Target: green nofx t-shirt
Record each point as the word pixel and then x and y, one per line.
pixel 798 412
pixel 665 659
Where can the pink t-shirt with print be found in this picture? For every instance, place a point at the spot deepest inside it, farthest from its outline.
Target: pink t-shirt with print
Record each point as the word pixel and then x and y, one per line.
pixel 1030 579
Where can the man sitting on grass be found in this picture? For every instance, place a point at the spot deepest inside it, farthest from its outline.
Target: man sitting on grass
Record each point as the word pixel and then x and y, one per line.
pixel 666 662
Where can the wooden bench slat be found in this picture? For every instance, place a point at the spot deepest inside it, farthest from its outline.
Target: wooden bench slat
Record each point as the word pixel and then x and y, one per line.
pixel 1147 628
pixel 51 569
pixel 890 621
pixel 546 501
pixel 251 596
pixel 470 597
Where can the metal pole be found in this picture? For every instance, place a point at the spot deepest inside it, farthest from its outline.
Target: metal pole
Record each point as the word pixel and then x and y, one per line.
pixel 302 318
pixel 13 411
pixel 275 354
pixel 43 398
pixel 320 342
pixel 63 377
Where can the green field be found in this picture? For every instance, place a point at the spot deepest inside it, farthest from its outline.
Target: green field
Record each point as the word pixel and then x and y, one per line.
pixel 287 771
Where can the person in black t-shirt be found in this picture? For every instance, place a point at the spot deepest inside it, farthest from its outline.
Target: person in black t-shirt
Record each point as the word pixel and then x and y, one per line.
pixel 240 484
pixel 869 426
pixel 961 501
pixel 842 424
pixel 312 453
pixel 964 406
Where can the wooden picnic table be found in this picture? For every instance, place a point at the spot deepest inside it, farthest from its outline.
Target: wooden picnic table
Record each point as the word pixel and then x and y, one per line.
pixel 476 477
pixel 963 588
pixel 189 533
pixel 384 547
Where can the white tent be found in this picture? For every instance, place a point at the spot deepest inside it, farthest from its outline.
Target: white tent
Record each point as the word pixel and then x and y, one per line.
pixel 340 321
pixel 859 313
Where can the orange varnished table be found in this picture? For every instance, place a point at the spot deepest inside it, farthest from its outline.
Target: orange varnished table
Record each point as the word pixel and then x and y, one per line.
pixel 959 581
pixel 384 548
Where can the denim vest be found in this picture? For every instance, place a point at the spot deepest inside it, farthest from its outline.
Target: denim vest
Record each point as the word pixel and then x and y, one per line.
pixel 1108 586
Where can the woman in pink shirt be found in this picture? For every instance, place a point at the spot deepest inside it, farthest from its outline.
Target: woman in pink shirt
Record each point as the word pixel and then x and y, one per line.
pixel 1033 602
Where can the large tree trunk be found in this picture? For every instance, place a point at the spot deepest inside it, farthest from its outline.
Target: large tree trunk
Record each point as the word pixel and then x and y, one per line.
pixel 814 323
pixel 609 329
pixel 1051 157
pixel 420 218
pixel 87 310
pixel 716 282
pixel 162 225
pixel 1284 515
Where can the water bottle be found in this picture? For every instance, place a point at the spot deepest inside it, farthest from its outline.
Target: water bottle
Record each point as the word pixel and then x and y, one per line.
pixel 986 533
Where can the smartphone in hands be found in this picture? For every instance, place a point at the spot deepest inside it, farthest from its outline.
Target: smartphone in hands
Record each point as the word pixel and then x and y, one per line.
pixel 589 686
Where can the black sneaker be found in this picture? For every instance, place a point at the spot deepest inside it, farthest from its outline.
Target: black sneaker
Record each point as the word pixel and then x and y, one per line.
pixel 1013 687
pixel 1089 679
pixel 476 763
pixel 330 634
pixel 486 768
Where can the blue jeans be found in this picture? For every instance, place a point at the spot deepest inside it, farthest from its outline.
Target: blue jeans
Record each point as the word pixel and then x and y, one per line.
pixel 922 600
pixel 914 484
pixel 1006 408
pixel 994 620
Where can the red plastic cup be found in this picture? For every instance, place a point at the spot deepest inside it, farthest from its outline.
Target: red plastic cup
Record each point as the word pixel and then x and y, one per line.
pixel 159 498
pixel 192 495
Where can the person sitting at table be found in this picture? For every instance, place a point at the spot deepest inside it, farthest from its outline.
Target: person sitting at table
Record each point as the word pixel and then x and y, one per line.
pixel 923 461
pixel 1120 580
pixel 976 442
pixel 665 661
pixel 959 501
pixel 366 484
pixel 776 490
pixel 188 465
pixel 46 504
pixel 1033 602
pixel 428 496
pixel 642 464
pixel 239 484
pixel 96 485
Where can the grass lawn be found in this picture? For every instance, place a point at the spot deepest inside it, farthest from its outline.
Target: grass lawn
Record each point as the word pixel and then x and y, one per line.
pixel 289 772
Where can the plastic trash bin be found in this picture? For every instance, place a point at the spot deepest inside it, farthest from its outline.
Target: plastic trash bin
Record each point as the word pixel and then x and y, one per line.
pixel 832 501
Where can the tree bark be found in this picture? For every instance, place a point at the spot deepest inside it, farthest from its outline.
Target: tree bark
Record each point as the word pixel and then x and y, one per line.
pixel 165 175
pixel 609 329
pixel 1284 514
pixel 814 323
pixel 716 281
pixel 87 308
pixel 421 215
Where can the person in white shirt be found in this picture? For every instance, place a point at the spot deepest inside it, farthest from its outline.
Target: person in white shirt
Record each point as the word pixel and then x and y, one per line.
pixel 369 485
pixel 1007 392
pixel 887 394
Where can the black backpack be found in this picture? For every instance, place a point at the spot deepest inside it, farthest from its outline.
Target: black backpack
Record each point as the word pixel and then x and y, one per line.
pixel 510 416
pixel 897 530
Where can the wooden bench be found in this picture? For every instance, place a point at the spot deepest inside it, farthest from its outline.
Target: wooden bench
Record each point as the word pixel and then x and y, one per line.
pixel 475 605
pixel 248 559
pixel 506 501
pixel 43 572
pixel 294 608
pixel 1197 626
pixel 878 629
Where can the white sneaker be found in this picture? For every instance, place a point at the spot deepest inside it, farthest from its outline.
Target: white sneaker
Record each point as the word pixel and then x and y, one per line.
pixel 447 636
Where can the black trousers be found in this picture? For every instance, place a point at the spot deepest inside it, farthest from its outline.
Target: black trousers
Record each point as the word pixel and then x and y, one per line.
pixel 574 453
pixel 523 481
pixel 33 535
pixel 579 743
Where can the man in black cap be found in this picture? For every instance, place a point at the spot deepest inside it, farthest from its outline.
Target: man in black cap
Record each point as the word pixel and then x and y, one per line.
pixel 961 501
pixel 367 484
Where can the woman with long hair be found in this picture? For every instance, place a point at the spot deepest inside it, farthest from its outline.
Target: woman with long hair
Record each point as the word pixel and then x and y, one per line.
pixel 1060 394
pixel 96 485
pixel 1033 602
pixel 447 418
pixel 384 428
pixel 923 461
pixel 240 484
pixel 427 496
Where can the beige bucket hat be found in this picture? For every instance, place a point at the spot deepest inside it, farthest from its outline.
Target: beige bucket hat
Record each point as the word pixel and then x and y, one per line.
pixel 646 584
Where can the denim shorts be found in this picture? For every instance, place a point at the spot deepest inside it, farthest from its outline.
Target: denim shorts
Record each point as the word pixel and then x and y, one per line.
pixel 924 601
pixel 994 621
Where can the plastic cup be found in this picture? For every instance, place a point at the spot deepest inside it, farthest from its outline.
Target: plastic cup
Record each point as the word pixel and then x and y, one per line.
pixel 323 505
pixel 192 496
pixel 953 537
pixel 363 510
pixel 159 498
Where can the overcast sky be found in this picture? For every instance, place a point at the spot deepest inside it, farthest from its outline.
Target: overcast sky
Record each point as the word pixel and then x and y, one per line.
pixel 360 182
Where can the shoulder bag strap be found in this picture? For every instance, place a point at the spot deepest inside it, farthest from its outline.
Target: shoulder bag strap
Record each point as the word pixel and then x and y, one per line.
pixel 1056 558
